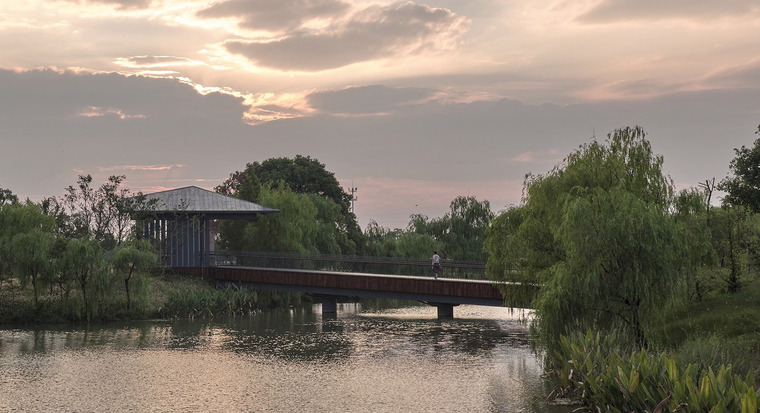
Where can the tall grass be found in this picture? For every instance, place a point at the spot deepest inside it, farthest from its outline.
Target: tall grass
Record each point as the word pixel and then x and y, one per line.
pixel 719 330
pixel 210 302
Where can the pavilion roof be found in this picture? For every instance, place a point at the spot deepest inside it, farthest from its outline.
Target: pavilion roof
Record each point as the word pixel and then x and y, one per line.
pixel 192 200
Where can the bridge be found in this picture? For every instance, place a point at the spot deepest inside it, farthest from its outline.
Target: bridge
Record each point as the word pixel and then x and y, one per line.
pixel 179 223
pixel 328 278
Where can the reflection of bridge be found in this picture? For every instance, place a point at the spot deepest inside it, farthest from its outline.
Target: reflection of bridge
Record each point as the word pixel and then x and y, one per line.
pixel 308 275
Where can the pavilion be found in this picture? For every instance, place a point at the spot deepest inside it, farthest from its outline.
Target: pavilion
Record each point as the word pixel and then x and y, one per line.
pixel 179 222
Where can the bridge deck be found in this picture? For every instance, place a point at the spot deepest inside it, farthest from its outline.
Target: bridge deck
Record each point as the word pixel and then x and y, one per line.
pixel 425 289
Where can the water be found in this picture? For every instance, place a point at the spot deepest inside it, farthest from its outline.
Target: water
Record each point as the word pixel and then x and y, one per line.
pixel 392 360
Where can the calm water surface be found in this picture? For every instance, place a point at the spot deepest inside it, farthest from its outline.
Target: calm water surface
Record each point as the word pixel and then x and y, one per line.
pixel 392 360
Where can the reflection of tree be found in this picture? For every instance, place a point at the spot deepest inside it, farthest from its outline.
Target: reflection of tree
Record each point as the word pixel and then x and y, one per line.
pixel 292 335
pixel 295 335
pixel 422 337
pixel 51 339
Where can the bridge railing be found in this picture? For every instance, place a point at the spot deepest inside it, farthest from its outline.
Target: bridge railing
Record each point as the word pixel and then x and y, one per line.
pixel 349 263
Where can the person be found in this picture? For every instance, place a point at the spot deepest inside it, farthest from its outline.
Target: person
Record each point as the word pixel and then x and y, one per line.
pixel 436 264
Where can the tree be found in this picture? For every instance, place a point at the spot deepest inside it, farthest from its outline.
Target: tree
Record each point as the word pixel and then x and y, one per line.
pixel 743 188
pixel 31 241
pixel 381 241
pixel 293 229
pixel 83 258
pixel 332 232
pixel 468 221
pixel 303 175
pixel 102 213
pixel 691 213
pixel 460 233
pixel 131 260
pixel 7 197
pixel 596 236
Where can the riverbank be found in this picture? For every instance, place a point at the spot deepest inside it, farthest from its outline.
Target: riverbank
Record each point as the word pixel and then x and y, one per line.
pixel 705 354
pixel 167 295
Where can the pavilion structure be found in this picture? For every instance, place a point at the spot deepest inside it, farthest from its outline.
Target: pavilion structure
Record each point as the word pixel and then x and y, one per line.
pixel 179 222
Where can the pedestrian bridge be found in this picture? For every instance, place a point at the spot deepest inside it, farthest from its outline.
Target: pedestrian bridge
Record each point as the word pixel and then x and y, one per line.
pixel 458 285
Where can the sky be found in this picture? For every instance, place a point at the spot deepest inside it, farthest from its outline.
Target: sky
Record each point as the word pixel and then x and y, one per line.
pixel 411 103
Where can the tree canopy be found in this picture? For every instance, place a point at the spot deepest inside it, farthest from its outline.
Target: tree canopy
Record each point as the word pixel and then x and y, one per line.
pixel 595 234
pixel 743 188
pixel 461 233
pixel 301 175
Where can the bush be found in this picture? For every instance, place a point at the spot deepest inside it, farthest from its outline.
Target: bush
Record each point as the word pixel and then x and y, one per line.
pixel 599 377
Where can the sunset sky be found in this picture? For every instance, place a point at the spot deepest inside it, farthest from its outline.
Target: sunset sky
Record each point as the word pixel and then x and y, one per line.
pixel 413 103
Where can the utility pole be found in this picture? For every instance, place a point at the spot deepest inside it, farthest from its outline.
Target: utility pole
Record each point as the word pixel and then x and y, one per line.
pixel 353 197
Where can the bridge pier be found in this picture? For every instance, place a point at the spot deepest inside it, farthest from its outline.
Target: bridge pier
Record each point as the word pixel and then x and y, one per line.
pixel 444 310
pixel 329 304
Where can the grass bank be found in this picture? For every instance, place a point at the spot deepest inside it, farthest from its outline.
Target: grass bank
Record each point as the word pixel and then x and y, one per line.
pixel 719 330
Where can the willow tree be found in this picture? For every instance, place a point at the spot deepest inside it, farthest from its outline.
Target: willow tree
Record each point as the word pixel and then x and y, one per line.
pixel 595 234
pixel 301 175
pixel 293 229
pixel 132 260
pixel 31 243
pixel 83 258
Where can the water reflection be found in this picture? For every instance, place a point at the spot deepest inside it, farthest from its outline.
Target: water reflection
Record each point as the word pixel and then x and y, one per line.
pixel 402 359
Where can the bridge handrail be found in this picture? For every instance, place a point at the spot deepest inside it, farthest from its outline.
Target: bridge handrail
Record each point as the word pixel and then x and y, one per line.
pixel 358 259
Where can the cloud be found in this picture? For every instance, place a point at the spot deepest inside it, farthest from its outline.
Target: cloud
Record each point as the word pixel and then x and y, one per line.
pixel 531 157
pixel 44 138
pixel 742 76
pixel 120 4
pixel 155 61
pixel 52 94
pixel 275 15
pixel 373 33
pixel 366 100
pixel 609 11
pixel 636 89
pixel 141 167
pixel 444 146
pixel 94 111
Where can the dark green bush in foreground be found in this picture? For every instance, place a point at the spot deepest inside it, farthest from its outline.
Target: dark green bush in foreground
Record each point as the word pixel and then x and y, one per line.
pixel 603 380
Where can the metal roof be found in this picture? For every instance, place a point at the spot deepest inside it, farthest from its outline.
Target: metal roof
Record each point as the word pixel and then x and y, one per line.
pixel 194 200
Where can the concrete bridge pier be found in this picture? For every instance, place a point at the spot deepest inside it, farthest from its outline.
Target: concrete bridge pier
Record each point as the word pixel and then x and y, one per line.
pixel 329 304
pixel 445 310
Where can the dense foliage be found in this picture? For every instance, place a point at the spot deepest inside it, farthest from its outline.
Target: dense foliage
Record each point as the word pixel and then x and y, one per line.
pixel 596 235
pixel 306 223
pixel 616 252
pixel 743 188
pixel 269 182
pixel 603 379
pixel 76 253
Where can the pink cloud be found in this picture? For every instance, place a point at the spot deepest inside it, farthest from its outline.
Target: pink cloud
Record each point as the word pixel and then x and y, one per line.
pixel 96 111
pixel 141 167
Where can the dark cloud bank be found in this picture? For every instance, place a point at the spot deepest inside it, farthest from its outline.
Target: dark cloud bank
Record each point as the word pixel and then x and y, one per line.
pixel 44 138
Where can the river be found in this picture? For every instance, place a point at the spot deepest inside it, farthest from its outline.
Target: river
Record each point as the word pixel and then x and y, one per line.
pixel 364 360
